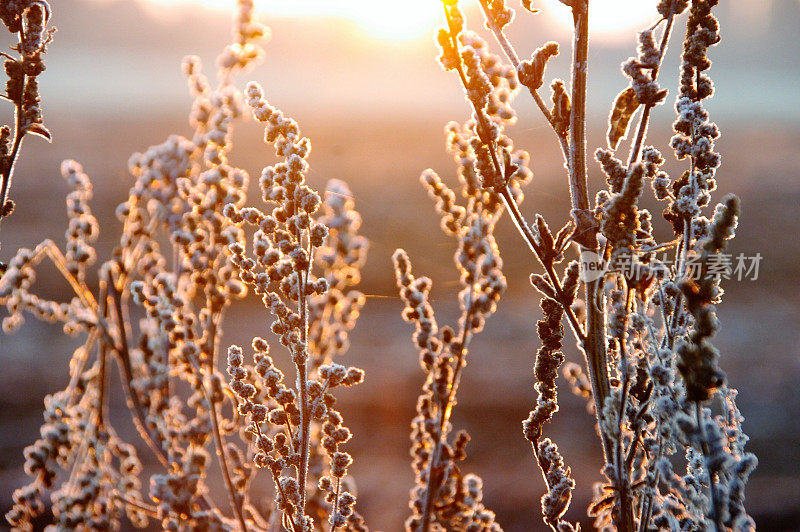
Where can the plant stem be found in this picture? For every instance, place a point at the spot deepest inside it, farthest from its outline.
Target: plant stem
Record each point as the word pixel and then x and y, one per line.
pixel 524 229
pixel 60 262
pixel 595 345
pixel 220 445
pixel 103 355
pixel 543 468
pixel 5 186
pixel 8 174
pixel 336 501
pixel 120 349
pixel 126 371
pixel 445 409
pixel 716 516
pixel 501 189
pixel 302 388
pixel 151 511
pixel 512 56
pixel 622 480
pixel 211 348
pixel 275 478
pixel 78 364
pixel 302 372
pixel 643 120
pixel 223 462
pixel 579 191
pixel 647 506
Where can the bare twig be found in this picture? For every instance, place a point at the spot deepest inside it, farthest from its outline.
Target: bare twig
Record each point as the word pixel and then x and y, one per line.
pixel 444 411
pixel 595 345
pixel 513 57
pixel 641 130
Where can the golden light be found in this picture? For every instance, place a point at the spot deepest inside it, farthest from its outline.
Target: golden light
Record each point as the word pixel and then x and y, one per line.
pixel 389 20
pixel 404 20
pixel 608 19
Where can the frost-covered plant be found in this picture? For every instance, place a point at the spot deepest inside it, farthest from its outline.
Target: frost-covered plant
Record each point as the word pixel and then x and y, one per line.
pixel 295 430
pixel 158 315
pixel 28 20
pixel 442 493
pixel 644 329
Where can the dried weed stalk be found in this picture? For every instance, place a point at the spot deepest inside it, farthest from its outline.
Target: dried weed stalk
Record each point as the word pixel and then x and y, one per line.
pixel 157 314
pixel 644 329
pixel 28 20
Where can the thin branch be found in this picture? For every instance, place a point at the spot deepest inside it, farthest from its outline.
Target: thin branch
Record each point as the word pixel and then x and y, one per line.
pixel 275 478
pixel 579 190
pixel 302 384
pixel 220 445
pixel 126 374
pixel 524 229
pixel 715 502
pixel 5 186
pixel 505 194
pixel 80 361
pixel 336 500
pixel 635 441
pixel 595 345
pixel 103 355
pixel 543 468
pixel 622 480
pixel 151 511
pixel 60 262
pixel 445 409
pixel 643 119
pixel 19 134
pixel 513 57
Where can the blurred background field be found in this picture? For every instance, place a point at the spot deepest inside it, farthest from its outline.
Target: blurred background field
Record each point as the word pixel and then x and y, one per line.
pixel 374 106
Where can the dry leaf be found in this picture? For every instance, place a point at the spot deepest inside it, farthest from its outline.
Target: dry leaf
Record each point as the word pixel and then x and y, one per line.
pixel 39 130
pixel 625 105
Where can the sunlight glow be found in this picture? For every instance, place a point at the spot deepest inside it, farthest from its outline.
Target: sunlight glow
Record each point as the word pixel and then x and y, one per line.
pixel 395 21
pixel 406 20
pixel 609 18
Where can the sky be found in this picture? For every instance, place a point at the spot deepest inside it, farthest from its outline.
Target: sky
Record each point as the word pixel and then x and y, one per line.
pixel 364 55
pixel 412 19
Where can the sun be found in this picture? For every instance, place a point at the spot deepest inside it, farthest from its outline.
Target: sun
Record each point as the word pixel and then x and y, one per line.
pixel 399 20
pixel 608 19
